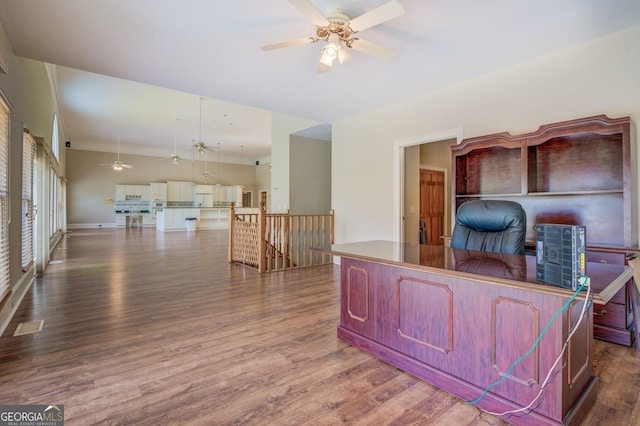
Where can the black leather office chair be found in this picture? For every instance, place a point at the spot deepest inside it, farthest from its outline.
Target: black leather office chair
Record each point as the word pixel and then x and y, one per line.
pixel 497 226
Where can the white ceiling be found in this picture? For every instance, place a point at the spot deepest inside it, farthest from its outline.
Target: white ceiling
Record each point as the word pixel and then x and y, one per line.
pixel 183 49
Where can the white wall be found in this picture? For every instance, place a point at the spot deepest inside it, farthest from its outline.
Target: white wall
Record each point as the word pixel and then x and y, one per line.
pixel 600 77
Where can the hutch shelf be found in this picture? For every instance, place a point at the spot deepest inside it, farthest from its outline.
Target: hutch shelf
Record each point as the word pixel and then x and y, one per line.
pixel 577 172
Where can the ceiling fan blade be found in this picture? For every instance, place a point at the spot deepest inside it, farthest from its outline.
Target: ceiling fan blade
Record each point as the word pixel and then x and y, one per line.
pixel 377 16
pixel 310 11
pixel 127 166
pixel 373 49
pixel 304 40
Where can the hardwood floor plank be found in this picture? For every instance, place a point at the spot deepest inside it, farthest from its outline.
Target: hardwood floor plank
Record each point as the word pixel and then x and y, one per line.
pixel 148 328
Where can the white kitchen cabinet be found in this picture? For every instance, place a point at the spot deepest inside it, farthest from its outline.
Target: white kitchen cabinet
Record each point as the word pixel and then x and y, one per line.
pixel 234 195
pixel 178 191
pixel 172 219
pixel 204 200
pixel 204 189
pixel 146 192
pixel 133 192
pixel 227 194
pixel 158 191
pixel 219 193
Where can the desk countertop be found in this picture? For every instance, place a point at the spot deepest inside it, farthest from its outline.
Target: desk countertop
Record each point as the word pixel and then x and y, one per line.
pixel 504 269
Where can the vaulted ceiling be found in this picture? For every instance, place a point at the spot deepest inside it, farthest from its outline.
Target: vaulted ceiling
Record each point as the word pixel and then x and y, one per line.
pixel 129 68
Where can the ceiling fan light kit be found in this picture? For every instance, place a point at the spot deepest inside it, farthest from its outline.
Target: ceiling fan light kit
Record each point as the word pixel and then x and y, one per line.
pixel 337 30
pixel 118 165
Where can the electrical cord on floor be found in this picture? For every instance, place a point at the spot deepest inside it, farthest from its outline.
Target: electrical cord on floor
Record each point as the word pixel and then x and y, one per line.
pixel 583 281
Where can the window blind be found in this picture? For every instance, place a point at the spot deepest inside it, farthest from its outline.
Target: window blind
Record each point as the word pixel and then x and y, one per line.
pixel 28 167
pixel 4 198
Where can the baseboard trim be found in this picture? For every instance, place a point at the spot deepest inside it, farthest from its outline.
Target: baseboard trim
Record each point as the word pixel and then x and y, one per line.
pixel 91 225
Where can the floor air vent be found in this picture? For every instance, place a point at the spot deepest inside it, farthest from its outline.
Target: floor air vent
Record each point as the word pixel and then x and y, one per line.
pixel 29 327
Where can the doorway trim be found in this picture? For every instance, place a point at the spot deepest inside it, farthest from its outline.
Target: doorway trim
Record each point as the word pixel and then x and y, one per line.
pixel 399 146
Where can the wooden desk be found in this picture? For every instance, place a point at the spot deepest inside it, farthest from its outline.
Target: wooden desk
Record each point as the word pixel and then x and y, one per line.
pixel 459 319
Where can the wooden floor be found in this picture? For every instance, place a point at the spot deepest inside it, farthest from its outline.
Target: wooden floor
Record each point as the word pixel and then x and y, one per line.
pixel 146 328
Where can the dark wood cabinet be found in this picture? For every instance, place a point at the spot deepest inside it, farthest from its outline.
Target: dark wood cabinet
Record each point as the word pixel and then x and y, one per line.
pixel 577 172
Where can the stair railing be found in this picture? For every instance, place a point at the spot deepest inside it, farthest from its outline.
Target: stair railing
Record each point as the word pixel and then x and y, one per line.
pixel 278 241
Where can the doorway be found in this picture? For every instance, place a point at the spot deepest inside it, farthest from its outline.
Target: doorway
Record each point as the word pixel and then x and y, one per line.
pixel 403 197
pixel 247 199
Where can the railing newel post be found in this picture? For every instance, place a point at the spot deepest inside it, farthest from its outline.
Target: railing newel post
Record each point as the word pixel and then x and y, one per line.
pixel 262 244
pixel 232 218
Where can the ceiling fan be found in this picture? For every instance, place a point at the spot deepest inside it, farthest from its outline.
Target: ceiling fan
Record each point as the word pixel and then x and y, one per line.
pixel 338 31
pixel 118 165
pixel 175 157
pixel 199 146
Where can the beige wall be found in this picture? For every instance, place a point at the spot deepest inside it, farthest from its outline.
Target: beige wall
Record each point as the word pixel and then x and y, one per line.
pixel 310 186
pixel 600 77
pixel 411 188
pixel 282 127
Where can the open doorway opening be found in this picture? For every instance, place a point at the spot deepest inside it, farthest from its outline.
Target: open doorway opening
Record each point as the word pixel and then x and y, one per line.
pixel 430 152
pixel 247 198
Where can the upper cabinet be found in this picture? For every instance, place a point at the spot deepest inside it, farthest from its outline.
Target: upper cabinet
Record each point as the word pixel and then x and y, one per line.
pixel 204 189
pixel 178 191
pixel 576 172
pixel 133 192
pixel 159 191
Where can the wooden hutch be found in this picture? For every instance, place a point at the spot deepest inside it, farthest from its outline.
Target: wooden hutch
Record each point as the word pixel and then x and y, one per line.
pixel 577 172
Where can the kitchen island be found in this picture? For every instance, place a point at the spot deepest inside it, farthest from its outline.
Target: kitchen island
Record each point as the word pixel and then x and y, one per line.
pixel 176 218
pixel 476 324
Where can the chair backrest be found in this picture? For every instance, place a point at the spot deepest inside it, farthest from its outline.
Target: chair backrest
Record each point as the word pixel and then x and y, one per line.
pixel 497 226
